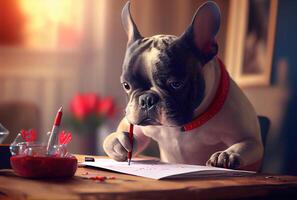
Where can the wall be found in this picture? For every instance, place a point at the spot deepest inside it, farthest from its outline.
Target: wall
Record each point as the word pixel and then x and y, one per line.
pixel 285 48
pixel 279 101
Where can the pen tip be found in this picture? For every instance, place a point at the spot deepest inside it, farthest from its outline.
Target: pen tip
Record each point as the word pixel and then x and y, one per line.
pixel 61 108
pixel 129 160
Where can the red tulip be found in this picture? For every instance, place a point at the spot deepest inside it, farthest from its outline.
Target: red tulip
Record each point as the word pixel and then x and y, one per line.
pixel 77 107
pixel 106 107
pixel 87 104
pixel 90 102
pixel 84 105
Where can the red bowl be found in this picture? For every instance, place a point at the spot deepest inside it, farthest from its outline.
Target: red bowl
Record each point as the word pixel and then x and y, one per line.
pixel 43 167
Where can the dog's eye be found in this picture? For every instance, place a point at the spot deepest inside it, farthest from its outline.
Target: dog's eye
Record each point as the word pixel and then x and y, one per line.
pixel 126 86
pixel 176 85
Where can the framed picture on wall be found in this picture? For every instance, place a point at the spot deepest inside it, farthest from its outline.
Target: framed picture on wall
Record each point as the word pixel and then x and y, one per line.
pixel 250 41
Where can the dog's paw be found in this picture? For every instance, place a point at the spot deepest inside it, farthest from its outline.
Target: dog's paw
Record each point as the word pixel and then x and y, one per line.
pixel 225 159
pixel 117 146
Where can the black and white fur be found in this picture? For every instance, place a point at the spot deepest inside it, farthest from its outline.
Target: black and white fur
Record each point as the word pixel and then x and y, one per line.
pixel 169 81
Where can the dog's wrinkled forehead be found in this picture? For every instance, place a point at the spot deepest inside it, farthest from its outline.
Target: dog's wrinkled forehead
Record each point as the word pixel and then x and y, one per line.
pixel 199 37
pixel 142 55
pixel 169 54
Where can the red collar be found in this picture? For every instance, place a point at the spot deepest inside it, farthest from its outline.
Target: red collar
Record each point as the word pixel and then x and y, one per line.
pixel 216 104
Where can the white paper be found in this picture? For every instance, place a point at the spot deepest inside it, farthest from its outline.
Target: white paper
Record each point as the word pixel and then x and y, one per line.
pixel 158 170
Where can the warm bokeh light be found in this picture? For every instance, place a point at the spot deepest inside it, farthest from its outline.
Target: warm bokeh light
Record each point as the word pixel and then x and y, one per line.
pixel 52 23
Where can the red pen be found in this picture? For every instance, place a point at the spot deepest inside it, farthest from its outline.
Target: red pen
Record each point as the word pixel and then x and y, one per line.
pixel 131 141
pixel 54 133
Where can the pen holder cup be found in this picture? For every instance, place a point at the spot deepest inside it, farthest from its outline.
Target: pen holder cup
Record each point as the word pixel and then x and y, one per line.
pixel 32 161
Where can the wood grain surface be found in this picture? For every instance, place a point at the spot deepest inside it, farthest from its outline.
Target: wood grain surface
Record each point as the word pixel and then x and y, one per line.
pixel 132 187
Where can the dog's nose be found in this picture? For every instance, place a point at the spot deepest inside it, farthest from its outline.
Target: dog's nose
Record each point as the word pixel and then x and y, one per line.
pixel 148 100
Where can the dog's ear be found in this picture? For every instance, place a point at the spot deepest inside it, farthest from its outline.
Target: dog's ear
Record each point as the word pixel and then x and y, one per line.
pixel 129 25
pixel 203 29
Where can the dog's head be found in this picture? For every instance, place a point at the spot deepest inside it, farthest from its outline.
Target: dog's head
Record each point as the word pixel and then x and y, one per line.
pixel 162 74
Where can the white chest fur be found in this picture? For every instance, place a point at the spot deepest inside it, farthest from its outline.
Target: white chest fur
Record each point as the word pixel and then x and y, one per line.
pixel 176 146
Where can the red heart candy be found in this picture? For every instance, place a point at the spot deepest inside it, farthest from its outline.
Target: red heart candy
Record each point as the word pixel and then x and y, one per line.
pixel 29 136
pixel 65 138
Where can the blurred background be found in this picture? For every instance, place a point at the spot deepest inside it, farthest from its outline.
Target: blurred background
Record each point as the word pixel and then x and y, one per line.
pixel 69 52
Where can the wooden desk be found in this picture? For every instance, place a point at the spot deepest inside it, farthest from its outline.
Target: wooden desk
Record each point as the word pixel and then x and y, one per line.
pixel 132 187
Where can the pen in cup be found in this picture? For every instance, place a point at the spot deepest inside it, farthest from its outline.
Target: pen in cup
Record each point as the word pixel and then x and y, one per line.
pixel 53 138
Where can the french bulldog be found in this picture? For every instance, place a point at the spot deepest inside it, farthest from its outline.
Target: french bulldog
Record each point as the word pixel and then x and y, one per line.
pixel 180 95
